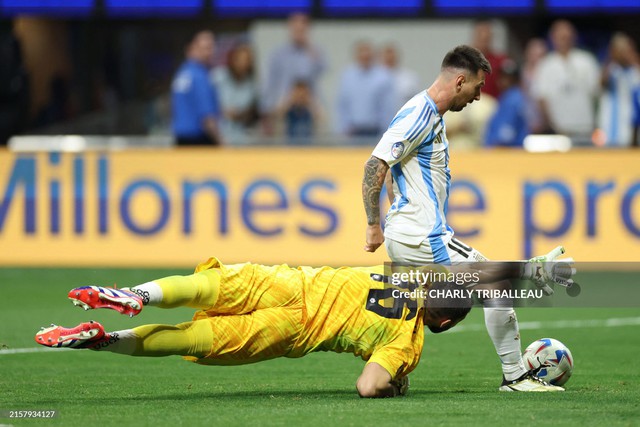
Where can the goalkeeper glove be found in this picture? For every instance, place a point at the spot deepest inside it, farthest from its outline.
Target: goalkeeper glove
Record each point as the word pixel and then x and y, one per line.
pixel 546 270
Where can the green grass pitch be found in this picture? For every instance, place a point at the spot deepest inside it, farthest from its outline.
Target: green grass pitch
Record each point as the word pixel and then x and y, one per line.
pixel 454 385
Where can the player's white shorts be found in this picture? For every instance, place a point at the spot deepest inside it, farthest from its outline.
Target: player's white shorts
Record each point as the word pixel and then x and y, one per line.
pixel 451 251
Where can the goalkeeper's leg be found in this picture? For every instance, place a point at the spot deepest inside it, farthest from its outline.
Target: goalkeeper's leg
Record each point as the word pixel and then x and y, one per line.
pixel 218 290
pixel 220 340
pixel 185 339
pixel 198 290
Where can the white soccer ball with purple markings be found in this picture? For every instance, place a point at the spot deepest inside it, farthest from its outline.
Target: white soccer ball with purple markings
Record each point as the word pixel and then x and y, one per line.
pixel 550 360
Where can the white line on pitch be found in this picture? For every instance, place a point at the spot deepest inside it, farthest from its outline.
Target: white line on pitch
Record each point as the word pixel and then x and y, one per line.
pixel 560 324
pixel 31 350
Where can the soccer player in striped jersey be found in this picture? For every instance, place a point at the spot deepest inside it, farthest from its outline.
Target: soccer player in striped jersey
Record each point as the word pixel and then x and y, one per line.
pixel 416 150
pixel 249 313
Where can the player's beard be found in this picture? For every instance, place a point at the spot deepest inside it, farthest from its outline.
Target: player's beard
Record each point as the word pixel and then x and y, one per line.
pixel 460 107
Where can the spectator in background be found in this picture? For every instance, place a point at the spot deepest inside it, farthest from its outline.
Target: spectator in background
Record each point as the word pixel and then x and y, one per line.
pixel 535 50
pixel 297 60
pixel 483 41
pixel 620 77
pixel 238 93
pixel 365 98
pixel 196 112
pixel 566 86
pixel 57 108
pixel 508 126
pixel 14 88
pixel 300 113
pixel 405 81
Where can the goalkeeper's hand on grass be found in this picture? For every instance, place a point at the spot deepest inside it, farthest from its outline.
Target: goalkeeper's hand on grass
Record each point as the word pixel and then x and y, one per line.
pixel 546 270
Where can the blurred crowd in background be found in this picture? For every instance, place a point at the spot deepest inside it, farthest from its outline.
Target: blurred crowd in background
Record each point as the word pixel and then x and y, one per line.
pixel 554 84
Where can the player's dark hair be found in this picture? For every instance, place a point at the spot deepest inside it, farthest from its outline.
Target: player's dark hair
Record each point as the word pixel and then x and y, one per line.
pixel 448 305
pixel 467 58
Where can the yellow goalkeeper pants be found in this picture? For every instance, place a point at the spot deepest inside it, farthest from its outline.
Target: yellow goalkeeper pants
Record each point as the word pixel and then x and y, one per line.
pixel 248 313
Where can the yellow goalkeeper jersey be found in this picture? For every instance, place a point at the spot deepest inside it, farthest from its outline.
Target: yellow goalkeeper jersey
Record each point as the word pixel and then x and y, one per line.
pixel 272 311
pixel 353 310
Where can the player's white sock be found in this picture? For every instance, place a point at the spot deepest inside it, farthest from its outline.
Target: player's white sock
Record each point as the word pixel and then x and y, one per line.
pixel 123 342
pixel 502 326
pixel 150 292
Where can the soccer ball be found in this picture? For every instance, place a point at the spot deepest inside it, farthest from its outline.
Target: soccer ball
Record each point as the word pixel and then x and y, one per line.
pixel 550 360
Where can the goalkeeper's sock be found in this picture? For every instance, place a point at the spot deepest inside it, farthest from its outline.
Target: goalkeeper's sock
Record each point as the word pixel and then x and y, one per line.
pixel 198 290
pixel 502 326
pixel 184 339
pixel 150 292
pixel 122 342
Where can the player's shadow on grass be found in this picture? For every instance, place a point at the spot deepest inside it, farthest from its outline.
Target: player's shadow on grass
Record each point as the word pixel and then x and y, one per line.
pixel 256 394
pixel 203 395
pixel 307 393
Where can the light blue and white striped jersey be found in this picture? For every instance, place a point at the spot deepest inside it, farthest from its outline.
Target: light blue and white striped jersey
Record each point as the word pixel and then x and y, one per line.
pixel 616 110
pixel 416 149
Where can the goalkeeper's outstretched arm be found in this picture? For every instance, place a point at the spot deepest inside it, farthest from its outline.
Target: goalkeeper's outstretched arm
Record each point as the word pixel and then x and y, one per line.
pixel 543 270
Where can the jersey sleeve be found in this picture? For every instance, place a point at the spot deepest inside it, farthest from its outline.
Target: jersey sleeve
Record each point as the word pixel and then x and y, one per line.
pixel 406 132
pixel 392 359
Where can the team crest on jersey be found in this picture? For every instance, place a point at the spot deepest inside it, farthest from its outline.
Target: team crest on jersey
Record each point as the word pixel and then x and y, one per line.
pixel 397 149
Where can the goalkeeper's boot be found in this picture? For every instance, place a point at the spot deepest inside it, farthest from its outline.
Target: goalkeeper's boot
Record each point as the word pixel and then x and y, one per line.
pixel 121 300
pixel 86 335
pixel 528 382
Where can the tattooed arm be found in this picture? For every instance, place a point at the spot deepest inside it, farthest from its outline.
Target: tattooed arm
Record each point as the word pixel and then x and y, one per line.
pixel 375 171
pixel 388 183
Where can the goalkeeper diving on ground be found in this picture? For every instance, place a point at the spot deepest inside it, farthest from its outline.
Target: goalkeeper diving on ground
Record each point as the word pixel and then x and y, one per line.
pixel 249 313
